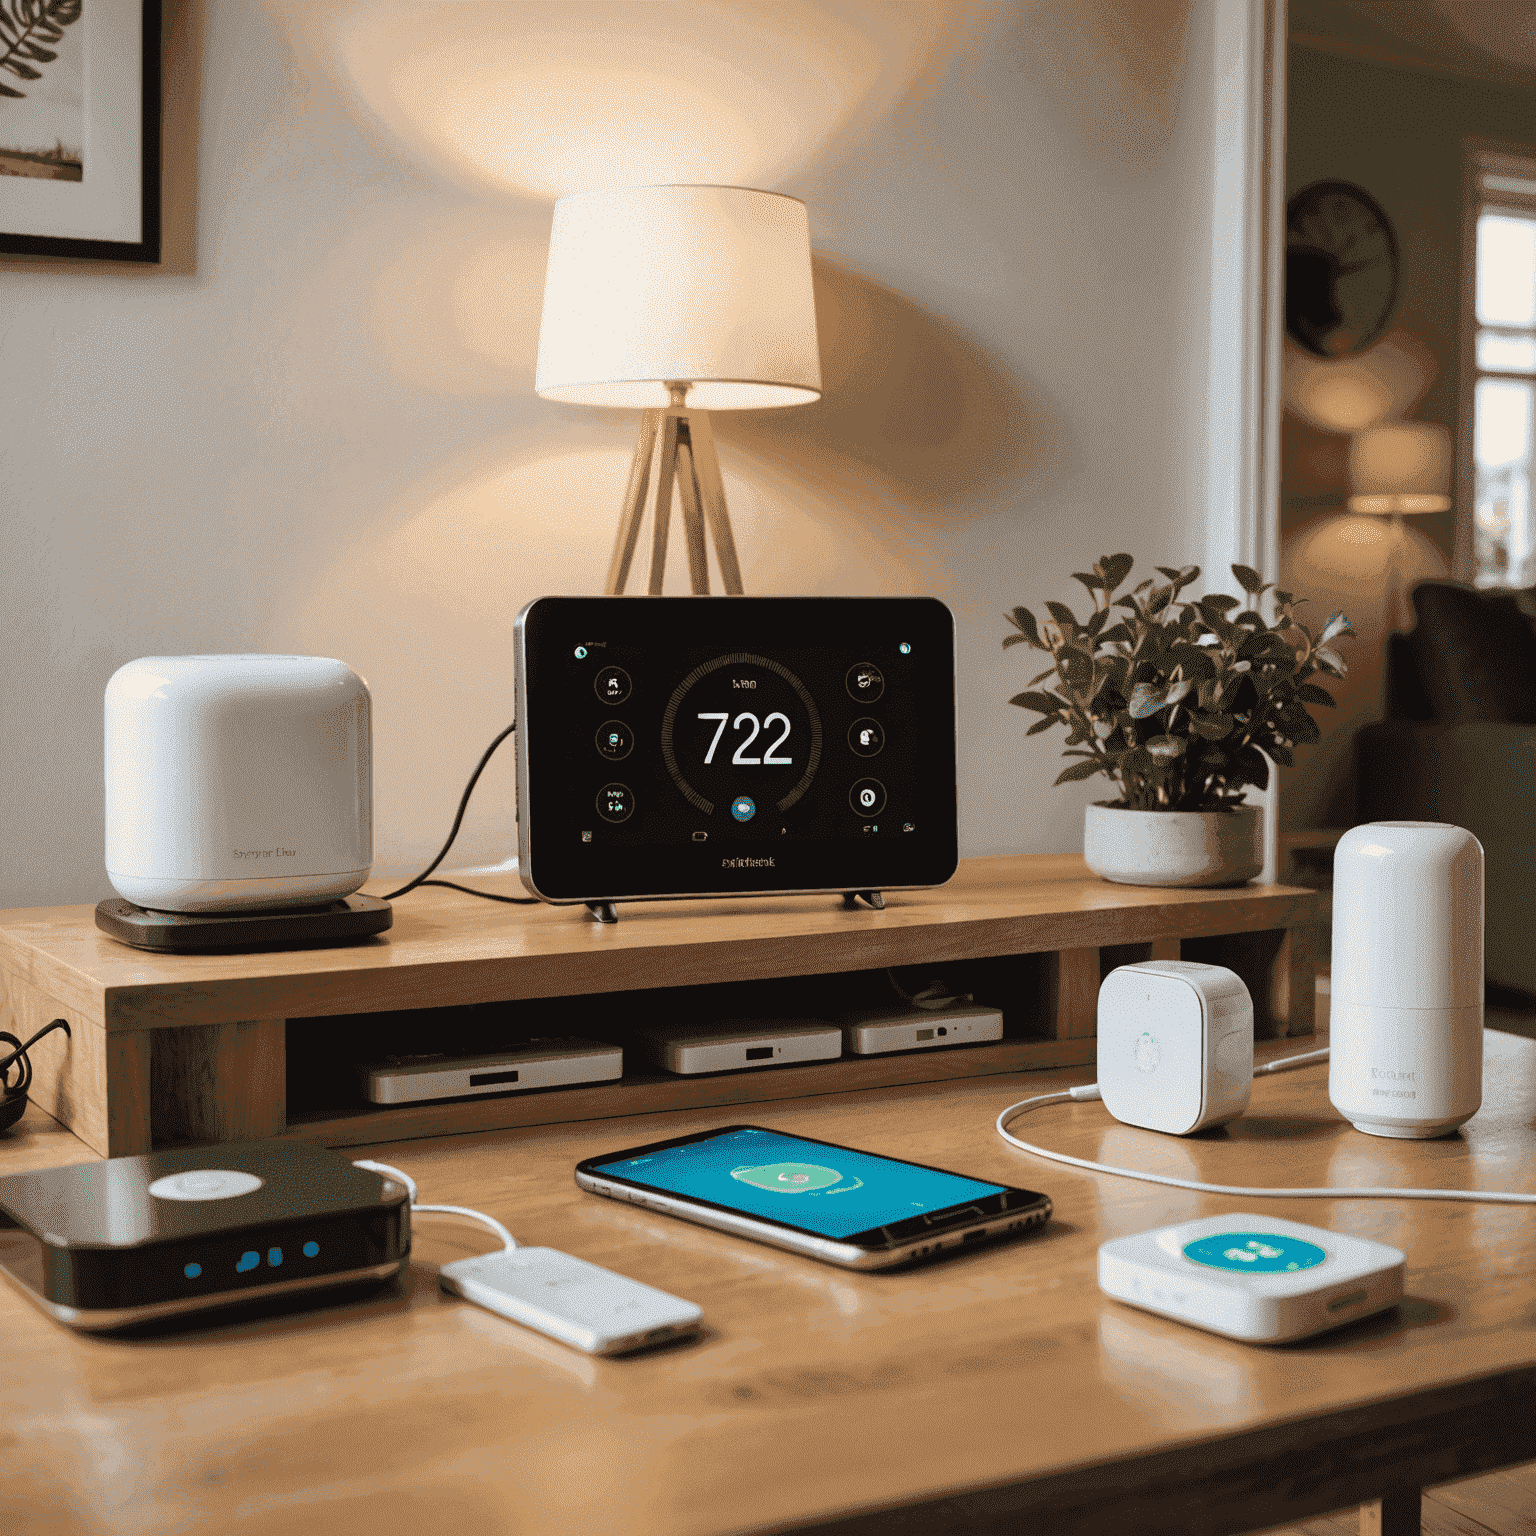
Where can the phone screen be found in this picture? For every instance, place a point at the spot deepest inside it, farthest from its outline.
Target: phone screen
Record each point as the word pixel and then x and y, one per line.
pixel 832 1191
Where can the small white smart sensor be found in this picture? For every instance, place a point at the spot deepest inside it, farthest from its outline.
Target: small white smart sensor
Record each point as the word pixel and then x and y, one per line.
pixel 1256 1278
pixel 1175 1045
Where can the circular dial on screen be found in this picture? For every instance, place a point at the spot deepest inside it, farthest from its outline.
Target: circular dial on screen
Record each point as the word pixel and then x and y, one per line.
pixel 741 730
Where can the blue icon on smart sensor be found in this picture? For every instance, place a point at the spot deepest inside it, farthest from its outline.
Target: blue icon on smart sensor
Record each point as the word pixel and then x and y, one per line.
pixel 192 1271
pixel 1258 1253
pixel 311 1249
pixel 248 1260
pixel 743 808
pixel 274 1257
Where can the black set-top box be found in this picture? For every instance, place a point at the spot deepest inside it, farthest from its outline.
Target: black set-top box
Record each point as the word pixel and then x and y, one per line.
pixel 131 1239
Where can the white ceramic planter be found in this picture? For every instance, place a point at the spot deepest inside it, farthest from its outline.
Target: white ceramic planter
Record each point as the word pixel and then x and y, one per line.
pixel 1174 847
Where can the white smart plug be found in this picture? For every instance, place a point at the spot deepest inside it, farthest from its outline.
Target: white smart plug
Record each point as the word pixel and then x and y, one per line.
pixel 1175 1045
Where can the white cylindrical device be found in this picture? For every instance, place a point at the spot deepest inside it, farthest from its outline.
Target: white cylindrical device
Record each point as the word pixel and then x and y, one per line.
pixel 1407 987
pixel 238 783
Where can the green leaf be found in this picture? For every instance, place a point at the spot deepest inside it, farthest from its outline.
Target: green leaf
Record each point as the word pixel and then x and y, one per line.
pixel 1337 625
pixel 1014 640
pixel 1075 668
pixel 1194 660
pixel 1179 690
pixel 1310 693
pixel 1330 662
pixel 1282 755
pixel 1096 623
pixel 1145 701
pixel 1024 621
pixel 1216 603
pixel 1041 703
pixel 1076 772
pixel 1250 767
pixel 1063 615
pixel 1114 569
pixel 1118 633
pixel 1092 582
pixel 1043 725
pixel 1252 582
pixel 1213 726
pixel 1165 748
pixel 1040 677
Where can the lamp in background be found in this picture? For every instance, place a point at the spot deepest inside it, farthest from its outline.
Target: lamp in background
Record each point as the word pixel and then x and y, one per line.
pixel 1398 468
pixel 679 300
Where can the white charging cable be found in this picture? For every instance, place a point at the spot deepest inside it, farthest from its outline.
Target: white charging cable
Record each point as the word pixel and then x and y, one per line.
pixel 508 1241
pixel 1361 1192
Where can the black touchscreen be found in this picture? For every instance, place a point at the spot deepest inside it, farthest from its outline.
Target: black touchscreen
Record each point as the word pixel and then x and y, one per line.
pixel 694 746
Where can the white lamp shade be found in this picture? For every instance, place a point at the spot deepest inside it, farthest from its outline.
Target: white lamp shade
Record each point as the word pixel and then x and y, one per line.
pixel 704 286
pixel 1400 466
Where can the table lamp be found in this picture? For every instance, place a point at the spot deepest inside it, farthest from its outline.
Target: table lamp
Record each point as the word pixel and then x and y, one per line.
pixel 1397 468
pixel 679 300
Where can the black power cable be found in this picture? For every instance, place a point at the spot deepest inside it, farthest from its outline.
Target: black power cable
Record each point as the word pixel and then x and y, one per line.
pixel 13 1096
pixel 458 819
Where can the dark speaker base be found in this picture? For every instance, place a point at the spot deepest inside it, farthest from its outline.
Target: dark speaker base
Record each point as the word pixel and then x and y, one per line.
pixel 193 933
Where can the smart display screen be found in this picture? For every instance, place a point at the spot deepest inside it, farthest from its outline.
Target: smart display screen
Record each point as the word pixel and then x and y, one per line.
pixel 671 746
pixel 829 1190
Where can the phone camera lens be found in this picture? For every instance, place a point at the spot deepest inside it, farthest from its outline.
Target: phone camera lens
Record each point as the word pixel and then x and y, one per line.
pixel 942 1030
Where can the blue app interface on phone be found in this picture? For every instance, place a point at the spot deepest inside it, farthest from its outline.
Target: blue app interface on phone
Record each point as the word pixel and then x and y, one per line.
pixel 805 1183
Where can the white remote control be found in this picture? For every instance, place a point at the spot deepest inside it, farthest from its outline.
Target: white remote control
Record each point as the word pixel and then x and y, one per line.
pixel 1257 1278
pixel 576 1302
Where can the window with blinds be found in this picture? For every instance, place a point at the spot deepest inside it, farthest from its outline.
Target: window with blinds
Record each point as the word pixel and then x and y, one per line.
pixel 1501 357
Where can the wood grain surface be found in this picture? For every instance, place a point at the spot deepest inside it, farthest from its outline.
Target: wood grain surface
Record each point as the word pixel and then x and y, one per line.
pixel 448 949
pixel 997 1391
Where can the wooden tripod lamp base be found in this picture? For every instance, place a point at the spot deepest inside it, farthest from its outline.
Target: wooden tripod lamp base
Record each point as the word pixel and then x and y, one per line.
pixel 687 457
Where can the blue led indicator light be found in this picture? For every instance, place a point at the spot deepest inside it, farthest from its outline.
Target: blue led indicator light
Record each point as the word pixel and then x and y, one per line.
pixel 192 1271
pixel 581 653
pixel 274 1257
pixel 1255 1253
pixel 311 1249
pixel 248 1260
pixel 743 808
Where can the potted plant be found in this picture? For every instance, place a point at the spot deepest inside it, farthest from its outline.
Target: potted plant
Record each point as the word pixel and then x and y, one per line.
pixel 1182 704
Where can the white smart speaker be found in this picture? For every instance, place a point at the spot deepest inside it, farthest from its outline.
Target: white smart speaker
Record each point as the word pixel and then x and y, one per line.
pixel 237 783
pixel 1407 989
pixel 1175 1045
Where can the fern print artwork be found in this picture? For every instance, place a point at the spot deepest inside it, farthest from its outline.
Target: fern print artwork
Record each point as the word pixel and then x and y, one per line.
pixel 42 89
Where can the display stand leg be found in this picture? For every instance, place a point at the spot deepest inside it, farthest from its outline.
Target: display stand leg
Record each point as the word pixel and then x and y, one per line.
pixel 871 898
pixel 603 911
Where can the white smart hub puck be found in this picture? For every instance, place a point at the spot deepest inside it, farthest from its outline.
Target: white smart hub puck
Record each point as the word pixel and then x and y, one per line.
pixel 1256 1278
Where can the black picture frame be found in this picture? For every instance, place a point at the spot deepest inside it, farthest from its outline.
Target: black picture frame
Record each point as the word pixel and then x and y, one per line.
pixel 37 242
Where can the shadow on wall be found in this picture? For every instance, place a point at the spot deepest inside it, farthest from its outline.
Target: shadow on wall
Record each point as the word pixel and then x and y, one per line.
pixel 1134 53
pixel 1344 563
pixel 906 397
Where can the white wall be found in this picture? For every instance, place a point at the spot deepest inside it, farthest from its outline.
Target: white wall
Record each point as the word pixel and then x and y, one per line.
pixel 313 429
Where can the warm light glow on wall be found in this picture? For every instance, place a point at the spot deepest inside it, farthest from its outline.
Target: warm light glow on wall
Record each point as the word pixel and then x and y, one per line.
pixel 545 99
pixel 1351 393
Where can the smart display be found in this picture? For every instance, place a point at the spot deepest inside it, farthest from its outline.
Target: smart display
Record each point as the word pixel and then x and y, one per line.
pixel 695 746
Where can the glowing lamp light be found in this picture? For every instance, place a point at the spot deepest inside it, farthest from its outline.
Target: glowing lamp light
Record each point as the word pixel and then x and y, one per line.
pixel 1400 467
pixel 679 300
pixel 705 286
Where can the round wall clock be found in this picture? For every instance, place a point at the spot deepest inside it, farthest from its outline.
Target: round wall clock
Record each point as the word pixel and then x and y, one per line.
pixel 1341 269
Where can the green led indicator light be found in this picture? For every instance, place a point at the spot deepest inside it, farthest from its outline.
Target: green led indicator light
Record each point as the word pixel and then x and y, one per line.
pixel 904 648
pixel 581 653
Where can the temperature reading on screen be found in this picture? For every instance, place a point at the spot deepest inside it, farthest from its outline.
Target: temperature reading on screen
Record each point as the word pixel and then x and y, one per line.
pixel 749 728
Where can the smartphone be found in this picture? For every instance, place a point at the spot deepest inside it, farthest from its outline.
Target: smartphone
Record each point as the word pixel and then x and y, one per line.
pixel 856 1209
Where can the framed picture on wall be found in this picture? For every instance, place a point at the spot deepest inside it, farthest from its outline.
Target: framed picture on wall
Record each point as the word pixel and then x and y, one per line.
pixel 80 128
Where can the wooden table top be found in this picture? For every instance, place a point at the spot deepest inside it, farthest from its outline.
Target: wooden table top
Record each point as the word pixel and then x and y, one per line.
pixel 446 948
pixel 817 1395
